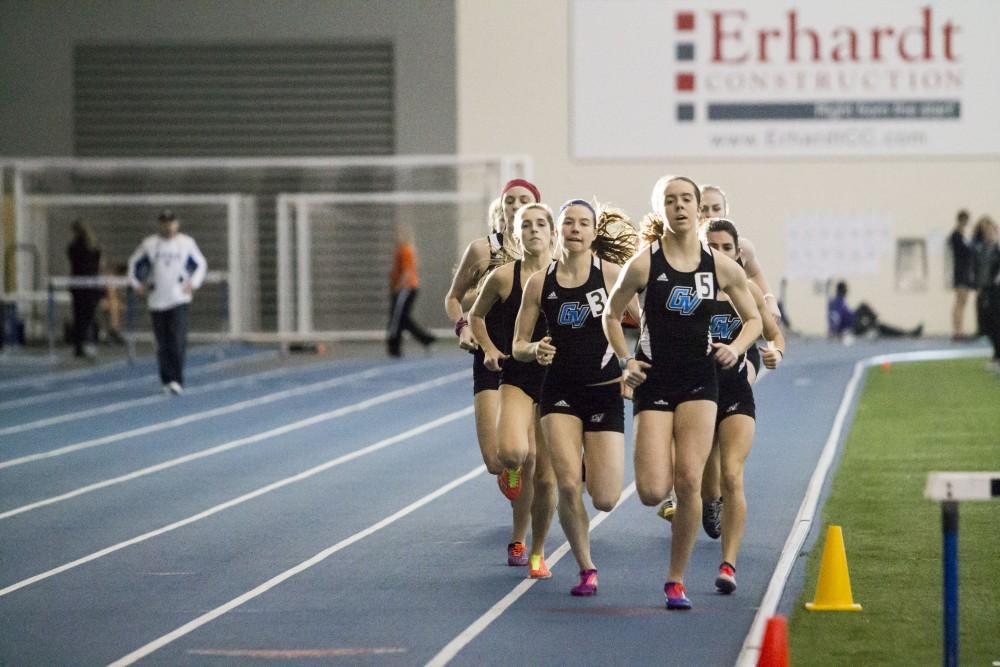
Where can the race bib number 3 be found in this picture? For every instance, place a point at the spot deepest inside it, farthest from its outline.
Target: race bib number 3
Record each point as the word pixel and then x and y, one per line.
pixel 597 300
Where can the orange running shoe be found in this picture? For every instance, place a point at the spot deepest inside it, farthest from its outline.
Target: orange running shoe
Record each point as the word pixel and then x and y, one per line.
pixel 538 568
pixel 509 482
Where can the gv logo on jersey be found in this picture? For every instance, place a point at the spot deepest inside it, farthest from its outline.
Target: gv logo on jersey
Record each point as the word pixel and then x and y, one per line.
pixel 724 326
pixel 573 314
pixel 683 300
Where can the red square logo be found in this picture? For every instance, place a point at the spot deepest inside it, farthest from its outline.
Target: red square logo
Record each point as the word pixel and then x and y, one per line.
pixel 685 81
pixel 685 20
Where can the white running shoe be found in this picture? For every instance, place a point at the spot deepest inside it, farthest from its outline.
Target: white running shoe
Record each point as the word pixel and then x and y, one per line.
pixel 175 388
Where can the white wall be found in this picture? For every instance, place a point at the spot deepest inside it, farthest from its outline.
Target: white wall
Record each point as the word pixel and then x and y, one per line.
pixel 513 97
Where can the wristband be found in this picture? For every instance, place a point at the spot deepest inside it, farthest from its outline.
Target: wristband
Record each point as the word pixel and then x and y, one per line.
pixel 623 361
pixel 460 324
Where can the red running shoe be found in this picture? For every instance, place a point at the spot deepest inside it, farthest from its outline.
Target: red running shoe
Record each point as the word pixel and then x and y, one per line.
pixel 587 585
pixel 509 482
pixel 726 581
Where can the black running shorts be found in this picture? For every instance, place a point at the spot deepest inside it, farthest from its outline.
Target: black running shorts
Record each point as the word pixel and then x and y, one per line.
pixel 600 407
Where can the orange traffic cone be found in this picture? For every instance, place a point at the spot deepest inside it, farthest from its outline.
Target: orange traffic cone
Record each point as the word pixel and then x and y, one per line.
pixel 774 650
pixel 833 590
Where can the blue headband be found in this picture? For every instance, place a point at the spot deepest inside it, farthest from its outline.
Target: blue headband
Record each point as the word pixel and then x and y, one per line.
pixel 577 202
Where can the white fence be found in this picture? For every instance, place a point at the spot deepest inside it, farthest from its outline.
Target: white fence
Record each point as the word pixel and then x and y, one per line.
pixel 286 230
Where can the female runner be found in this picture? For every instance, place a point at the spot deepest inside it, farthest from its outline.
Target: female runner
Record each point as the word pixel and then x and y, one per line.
pixel 674 376
pixel 527 479
pixel 480 256
pixel 583 416
pixel 736 416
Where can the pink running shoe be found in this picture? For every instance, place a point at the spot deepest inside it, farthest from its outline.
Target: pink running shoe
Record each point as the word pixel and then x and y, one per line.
pixel 517 555
pixel 676 595
pixel 587 585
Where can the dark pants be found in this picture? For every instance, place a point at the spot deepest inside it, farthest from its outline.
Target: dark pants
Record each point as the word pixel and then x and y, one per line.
pixel 991 315
pixel 170 328
pixel 865 319
pixel 400 321
pixel 84 306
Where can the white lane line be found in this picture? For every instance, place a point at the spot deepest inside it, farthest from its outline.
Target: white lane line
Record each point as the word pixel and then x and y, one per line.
pixel 451 649
pixel 197 416
pixel 239 442
pixel 210 616
pixel 59 376
pixel 807 510
pixel 256 493
pixel 147 400
pixel 148 379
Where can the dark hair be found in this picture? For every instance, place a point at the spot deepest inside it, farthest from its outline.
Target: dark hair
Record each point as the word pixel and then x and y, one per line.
pixel 166 216
pixel 841 288
pixel 83 231
pixel 963 216
pixel 724 225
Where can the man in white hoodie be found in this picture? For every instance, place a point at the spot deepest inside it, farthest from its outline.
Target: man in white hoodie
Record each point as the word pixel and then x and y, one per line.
pixel 169 267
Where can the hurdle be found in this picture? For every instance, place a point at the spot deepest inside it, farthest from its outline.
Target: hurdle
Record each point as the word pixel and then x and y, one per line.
pixel 950 488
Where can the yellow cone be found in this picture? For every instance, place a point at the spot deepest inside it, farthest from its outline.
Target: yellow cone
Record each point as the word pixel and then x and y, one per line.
pixel 833 590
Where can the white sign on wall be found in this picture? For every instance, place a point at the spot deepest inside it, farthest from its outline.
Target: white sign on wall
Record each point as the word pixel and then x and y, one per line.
pixel 827 245
pixel 738 78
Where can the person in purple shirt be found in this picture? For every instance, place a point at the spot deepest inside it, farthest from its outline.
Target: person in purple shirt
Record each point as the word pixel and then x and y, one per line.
pixel 842 320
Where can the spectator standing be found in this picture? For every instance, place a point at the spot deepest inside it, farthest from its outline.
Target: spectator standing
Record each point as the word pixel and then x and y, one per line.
pixel 404 283
pixel 963 268
pixel 982 250
pixel 84 262
pixel 169 267
pixel 988 265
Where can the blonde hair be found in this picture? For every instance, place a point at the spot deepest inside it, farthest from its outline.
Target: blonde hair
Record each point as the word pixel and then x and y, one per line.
pixel 651 228
pixel 616 239
pixel 495 215
pixel 716 188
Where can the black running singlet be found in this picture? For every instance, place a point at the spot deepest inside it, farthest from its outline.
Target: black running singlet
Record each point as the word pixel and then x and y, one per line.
pixel 509 310
pixel 677 309
pixel 494 318
pixel 583 354
pixel 725 327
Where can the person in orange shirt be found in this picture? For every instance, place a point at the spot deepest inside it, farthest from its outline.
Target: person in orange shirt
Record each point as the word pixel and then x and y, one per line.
pixel 404 283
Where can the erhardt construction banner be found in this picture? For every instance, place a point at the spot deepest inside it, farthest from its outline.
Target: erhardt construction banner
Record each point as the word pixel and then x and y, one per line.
pixel 699 79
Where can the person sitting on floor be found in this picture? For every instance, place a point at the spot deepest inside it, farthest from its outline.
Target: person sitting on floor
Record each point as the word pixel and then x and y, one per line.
pixel 843 323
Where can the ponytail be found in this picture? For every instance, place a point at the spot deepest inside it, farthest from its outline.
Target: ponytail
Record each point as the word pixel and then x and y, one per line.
pixel 616 239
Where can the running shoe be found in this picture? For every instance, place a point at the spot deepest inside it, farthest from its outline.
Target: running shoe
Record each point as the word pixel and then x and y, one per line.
pixel 587 585
pixel 726 581
pixel 538 568
pixel 676 595
pixel 667 509
pixel 516 555
pixel 175 388
pixel 509 482
pixel 711 518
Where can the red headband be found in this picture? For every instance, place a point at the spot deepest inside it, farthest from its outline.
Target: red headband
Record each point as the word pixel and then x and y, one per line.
pixel 520 182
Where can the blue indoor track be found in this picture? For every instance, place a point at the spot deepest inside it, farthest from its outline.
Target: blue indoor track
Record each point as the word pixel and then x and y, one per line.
pixel 337 512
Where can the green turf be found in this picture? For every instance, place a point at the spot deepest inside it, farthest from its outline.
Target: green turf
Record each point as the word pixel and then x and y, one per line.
pixel 911 419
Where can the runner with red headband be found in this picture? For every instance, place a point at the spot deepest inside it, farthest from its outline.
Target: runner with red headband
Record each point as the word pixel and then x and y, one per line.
pixel 480 257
